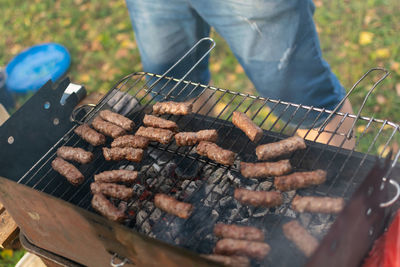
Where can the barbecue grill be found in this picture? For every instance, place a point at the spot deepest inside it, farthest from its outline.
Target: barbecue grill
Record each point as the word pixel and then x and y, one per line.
pixel 57 217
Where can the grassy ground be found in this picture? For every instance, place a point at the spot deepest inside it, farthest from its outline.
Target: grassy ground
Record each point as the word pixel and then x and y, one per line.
pixel 355 36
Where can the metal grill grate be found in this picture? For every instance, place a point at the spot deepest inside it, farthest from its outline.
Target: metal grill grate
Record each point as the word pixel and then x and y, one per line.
pixel 210 187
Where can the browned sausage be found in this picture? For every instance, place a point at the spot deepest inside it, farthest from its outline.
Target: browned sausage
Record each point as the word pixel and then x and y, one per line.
pixel 318 204
pixel 120 153
pixel 170 107
pixel 135 141
pixel 283 147
pixel 102 205
pixel 229 261
pixel 107 128
pixel 156 122
pixel 298 180
pixel 116 176
pixel 258 198
pixel 117 119
pixel 112 190
pixel 173 206
pixel 256 250
pixel 75 154
pixel 216 153
pixel 162 136
pixel 191 138
pixel 89 135
pixel 238 232
pixel 69 171
pixel 296 233
pixel 244 123
pixel 265 169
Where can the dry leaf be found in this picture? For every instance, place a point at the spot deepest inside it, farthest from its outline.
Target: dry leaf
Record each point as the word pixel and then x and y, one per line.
pixel 382 53
pixel 380 99
pixel 398 89
pixel 365 38
pixel 239 69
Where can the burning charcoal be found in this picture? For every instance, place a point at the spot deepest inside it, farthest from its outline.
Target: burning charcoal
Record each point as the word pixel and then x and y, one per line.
pixel 265 186
pixel 190 186
pixel 259 213
pixel 142 221
pixel 216 176
pixel 168 170
pixel 214 215
pixel 187 169
pixel 227 202
pixel 233 178
pixel 155 215
pixel 138 189
pixel 160 157
pixel 151 182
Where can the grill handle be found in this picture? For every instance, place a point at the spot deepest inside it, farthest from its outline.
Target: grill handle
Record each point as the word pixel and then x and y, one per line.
pixel 120 264
pixel 350 132
pixel 394 199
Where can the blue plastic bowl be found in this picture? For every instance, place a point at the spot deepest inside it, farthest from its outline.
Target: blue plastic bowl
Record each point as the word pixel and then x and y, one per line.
pixel 33 67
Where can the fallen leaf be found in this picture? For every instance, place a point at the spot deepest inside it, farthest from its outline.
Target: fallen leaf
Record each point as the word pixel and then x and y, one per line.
pixel 365 38
pixel 382 53
pixel 84 77
pixel 377 108
pixel 381 99
pixel 6 253
pixel 398 89
pixel 121 53
pixel 383 152
pixel 239 69
pixel 395 66
pixel 360 128
pixel 215 67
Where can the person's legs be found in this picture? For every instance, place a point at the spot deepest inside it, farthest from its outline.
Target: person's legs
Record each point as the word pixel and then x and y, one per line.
pixel 165 31
pixel 332 126
pixel 278 47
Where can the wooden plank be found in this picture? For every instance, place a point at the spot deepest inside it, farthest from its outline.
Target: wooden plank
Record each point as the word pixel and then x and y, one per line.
pixel 8 229
pixel 3 114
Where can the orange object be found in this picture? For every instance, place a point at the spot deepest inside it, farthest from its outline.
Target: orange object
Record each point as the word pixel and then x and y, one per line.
pixel 386 250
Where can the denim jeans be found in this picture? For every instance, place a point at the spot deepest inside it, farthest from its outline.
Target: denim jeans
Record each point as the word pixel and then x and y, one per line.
pixel 275 41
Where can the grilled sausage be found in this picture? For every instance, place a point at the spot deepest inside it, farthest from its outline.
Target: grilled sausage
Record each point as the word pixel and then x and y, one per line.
pixel 120 153
pixel 173 206
pixel 117 119
pixel 244 123
pixel 318 204
pixel 75 154
pixel 89 135
pixel 216 153
pixel 283 147
pixel 256 250
pixel 162 136
pixel 107 128
pixel 258 198
pixel 116 176
pixel 156 122
pixel 112 190
pixel 170 107
pixel 298 180
pixel 102 205
pixel 69 171
pixel 191 138
pixel 296 233
pixel 229 261
pixel 238 232
pixel 135 141
pixel 265 169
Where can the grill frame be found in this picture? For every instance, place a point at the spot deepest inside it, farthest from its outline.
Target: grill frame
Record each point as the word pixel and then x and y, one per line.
pixel 237 101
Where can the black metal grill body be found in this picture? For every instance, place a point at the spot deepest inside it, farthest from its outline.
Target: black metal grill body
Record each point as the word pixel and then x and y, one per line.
pixel 65 223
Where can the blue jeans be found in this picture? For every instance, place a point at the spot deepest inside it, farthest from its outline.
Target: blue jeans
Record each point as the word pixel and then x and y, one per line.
pixel 275 41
